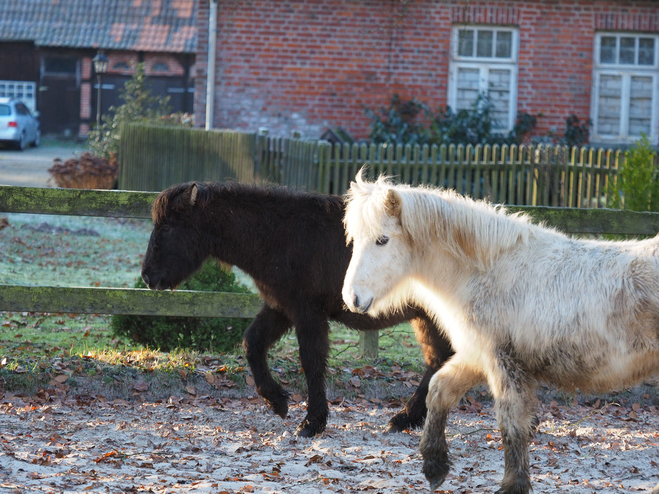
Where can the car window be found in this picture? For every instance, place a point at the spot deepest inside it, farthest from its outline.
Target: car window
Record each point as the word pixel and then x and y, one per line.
pixel 5 110
pixel 21 109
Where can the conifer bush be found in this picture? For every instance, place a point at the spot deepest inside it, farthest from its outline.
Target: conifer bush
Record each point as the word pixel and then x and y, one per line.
pixel 636 186
pixel 198 333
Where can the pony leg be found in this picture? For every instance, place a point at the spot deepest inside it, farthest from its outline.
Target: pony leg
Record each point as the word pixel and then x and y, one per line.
pixel 655 490
pixel 447 386
pixel 313 338
pixel 436 350
pixel 266 329
pixel 514 398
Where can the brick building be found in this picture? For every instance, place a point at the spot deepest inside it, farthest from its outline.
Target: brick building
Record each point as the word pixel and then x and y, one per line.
pixel 309 65
pixel 47 46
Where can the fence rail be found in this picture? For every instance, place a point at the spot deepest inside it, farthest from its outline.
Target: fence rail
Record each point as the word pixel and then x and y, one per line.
pixel 130 204
pixel 84 300
pixel 153 158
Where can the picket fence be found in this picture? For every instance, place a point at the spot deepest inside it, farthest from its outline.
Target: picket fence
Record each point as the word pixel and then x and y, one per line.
pixel 153 158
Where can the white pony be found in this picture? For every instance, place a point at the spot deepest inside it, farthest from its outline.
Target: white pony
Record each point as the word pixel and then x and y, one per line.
pixel 520 303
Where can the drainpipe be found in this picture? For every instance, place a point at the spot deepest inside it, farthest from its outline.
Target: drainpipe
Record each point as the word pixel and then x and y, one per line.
pixel 210 76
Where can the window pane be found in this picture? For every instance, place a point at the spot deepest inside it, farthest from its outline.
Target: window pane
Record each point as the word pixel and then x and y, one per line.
pixel 5 110
pixel 468 88
pixel 466 42
pixel 60 65
pixel 484 46
pixel 504 44
pixel 499 94
pixel 640 105
pixel 608 115
pixel 627 49
pixel 608 50
pixel 646 51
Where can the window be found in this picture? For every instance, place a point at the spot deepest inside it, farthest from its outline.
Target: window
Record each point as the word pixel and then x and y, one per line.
pixel 160 67
pixel 60 65
pixel 21 109
pixel 625 79
pixel 121 66
pixel 25 91
pixel 484 61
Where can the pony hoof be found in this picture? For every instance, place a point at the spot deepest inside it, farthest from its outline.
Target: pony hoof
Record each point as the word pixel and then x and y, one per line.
pixel 308 429
pixel 279 404
pixel 518 488
pixel 435 472
pixel 402 422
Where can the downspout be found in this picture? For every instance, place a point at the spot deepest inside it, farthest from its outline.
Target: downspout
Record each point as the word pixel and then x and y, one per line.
pixel 210 76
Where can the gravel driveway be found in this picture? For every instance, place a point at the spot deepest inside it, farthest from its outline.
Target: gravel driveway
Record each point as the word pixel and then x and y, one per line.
pixel 29 168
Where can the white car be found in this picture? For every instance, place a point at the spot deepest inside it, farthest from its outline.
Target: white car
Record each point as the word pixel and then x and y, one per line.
pixel 17 125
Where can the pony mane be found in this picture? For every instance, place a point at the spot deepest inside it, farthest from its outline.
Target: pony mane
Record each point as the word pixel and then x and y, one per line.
pixel 177 198
pixel 466 228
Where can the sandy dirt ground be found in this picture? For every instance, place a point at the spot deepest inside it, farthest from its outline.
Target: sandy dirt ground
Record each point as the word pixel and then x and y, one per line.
pixel 81 443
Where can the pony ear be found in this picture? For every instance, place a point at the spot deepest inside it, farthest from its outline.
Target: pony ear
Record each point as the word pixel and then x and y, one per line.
pixel 393 203
pixel 193 194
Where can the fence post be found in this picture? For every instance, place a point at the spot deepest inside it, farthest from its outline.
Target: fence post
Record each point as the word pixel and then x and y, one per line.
pixel 368 344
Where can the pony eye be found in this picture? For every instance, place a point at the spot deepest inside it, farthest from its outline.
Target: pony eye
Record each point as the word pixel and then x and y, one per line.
pixel 382 240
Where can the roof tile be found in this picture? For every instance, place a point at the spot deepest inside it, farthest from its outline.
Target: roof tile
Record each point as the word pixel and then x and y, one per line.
pixel 146 25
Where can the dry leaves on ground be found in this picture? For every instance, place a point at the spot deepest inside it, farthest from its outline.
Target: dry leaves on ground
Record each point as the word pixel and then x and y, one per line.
pixel 62 443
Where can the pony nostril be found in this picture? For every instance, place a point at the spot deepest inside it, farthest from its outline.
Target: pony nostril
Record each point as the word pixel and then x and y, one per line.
pixel 145 279
pixel 355 301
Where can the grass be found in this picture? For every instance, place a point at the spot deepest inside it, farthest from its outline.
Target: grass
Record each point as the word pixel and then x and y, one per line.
pixel 56 141
pixel 86 251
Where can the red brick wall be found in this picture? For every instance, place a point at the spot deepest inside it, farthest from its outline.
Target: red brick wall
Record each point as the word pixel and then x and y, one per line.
pixel 307 65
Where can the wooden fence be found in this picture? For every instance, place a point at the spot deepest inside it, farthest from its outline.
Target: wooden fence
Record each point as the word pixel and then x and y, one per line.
pixel 515 175
pixel 128 204
pixel 83 300
pixel 153 158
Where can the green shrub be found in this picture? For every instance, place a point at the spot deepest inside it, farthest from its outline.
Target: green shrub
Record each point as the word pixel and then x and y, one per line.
pixel 402 122
pixel 412 122
pixel 636 186
pixel 199 333
pixel 140 106
pixel 576 132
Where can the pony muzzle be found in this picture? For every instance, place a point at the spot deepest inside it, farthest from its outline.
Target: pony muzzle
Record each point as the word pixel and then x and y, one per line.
pixel 356 302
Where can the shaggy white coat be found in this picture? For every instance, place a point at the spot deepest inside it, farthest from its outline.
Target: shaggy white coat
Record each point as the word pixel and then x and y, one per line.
pixel 520 303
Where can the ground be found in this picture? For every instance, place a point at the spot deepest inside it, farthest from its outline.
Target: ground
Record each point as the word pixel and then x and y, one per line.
pixel 61 442
pixel 29 168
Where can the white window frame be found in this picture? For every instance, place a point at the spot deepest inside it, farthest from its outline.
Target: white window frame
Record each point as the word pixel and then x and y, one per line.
pixel 485 64
pixel 23 90
pixel 626 72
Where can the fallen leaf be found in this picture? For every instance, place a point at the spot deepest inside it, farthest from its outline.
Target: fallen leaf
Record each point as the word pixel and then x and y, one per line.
pixel 141 387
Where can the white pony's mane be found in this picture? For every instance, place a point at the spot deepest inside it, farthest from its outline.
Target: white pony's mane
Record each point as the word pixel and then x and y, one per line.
pixel 464 227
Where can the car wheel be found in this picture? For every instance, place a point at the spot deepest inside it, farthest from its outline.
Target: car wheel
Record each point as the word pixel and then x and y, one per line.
pixel 37 139
pixel 22 142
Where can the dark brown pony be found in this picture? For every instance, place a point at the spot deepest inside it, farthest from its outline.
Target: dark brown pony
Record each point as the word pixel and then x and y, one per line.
pixel 293 245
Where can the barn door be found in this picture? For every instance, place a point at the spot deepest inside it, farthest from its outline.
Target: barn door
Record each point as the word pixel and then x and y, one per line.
pixel 59 95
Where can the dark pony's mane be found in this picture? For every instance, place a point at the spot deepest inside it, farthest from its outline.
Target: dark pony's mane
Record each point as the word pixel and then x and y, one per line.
pixel 177 197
